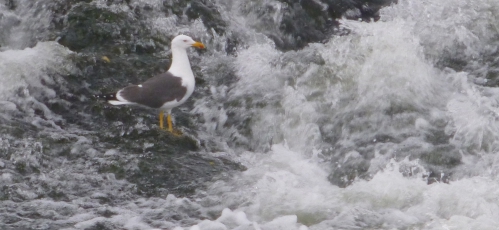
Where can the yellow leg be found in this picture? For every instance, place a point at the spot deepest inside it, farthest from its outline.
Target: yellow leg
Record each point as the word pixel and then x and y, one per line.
pixel 169 123
pixel 161 120
pixel 169 120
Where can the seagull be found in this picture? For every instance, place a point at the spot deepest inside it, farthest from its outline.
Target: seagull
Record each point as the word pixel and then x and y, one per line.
pixel 165 91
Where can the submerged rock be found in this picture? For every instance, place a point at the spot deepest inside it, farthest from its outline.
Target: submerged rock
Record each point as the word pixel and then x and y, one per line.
pixel 309 21
pixel 151 160
pixel 160 163
pixel 90 28
pixel 207 11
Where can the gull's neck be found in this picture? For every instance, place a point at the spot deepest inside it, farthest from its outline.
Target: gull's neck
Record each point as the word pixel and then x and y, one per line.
pixel 180 63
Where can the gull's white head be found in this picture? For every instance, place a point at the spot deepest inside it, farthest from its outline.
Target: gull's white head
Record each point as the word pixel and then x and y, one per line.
pixel 184 41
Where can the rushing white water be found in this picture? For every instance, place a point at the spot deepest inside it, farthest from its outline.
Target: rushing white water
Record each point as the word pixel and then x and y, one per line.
pixel 382 98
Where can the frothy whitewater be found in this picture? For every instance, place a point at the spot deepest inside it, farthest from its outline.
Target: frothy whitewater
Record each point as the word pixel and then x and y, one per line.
pixel 391 125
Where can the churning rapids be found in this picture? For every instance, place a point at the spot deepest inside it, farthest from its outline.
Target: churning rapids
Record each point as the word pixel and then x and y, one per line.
pixel 313 114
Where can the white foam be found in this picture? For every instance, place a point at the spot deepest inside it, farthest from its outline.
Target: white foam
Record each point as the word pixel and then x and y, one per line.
pixel 233 219
pixel 341 90
pixel 283 182
pixel 136 223
pixel 25 81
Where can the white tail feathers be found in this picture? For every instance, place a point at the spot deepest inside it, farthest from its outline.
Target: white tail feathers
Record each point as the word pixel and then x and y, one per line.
pixel 114 99
pixel 115 102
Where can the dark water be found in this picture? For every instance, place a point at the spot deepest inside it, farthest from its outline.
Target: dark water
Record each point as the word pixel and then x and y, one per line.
pixel 306 115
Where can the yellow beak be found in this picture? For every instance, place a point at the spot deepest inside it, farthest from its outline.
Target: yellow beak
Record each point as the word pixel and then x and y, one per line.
pixel 198 45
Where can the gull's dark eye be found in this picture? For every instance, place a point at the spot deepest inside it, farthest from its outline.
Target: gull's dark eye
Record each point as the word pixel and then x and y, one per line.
pixel 185 40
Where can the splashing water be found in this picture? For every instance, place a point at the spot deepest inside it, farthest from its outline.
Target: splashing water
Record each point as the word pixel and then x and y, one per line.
pixel 392 125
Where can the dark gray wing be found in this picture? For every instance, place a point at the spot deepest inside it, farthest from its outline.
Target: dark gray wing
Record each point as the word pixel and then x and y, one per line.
pixel 156 91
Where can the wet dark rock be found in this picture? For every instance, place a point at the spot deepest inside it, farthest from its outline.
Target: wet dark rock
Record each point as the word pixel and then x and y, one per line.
pixel 11 4
pixel 208 12
pixel 166 163
pixel 89 27
pixel 176 7
pixel 438 136
pixel 163 163
pixel 304 27
pixel 170 165
pixel 455 57
pixel 444 155
pixel 102 226
pixel 437 177
pixel 309 21
pixel 346 173
pixel 232 44
pixel 487 76
pixel 106 213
